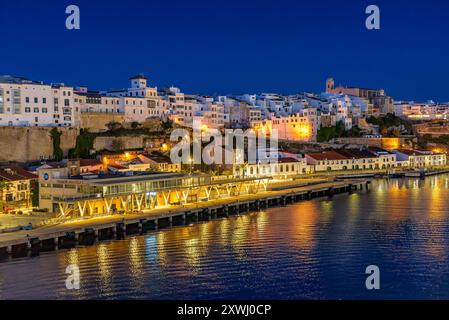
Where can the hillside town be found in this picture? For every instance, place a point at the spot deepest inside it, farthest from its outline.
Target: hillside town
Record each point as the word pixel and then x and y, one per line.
pixel 70 151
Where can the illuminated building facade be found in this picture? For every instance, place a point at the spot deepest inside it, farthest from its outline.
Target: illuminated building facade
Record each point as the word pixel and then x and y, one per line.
pixel 64 191
pixel 297 127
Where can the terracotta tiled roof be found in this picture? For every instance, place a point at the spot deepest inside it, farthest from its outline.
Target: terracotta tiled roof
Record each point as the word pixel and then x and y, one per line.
pixel 287 159
pixel 157 157
pixel 90 162
pixel 355 153
pixel 326 155
pixel 15 173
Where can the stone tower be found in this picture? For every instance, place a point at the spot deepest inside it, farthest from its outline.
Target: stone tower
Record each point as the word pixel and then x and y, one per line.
pixel 329 85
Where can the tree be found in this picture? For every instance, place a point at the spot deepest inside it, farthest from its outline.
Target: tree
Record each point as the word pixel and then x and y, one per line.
pixel 353 132
pixel 389 122
pixel 56 138
pixel 339 129
pixel 325 134
pixel 167 124
pixel 135 125
pixel 117 145
pixel 84 143
pixel 113 126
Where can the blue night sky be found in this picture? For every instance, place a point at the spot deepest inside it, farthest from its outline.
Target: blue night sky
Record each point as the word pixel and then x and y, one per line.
pixel 224 47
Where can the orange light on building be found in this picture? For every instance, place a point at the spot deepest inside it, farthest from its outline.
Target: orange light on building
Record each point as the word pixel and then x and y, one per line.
pixel 164 147
pixel 303 131
pixel 391 143
pixel 105 162
pixel 262 128
pixel 438 150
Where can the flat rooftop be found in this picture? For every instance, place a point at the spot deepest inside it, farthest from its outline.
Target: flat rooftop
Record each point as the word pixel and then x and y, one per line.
pixel 106 179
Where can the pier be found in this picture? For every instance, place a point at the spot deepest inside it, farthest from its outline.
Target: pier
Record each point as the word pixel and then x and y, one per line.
pixel 90 230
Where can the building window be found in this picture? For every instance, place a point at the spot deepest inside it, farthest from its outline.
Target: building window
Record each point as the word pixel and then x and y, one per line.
pixel 35 100
pixel 27 109
pixel 44 100
pixel 36 110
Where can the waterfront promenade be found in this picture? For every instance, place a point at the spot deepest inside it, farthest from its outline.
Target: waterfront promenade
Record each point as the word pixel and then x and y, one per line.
pixel 281 194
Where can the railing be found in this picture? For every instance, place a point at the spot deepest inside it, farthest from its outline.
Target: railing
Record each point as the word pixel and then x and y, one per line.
pixel 214 180
pixel 78 198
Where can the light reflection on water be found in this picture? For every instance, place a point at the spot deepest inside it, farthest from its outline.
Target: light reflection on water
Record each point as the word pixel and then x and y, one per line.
pixel 313 250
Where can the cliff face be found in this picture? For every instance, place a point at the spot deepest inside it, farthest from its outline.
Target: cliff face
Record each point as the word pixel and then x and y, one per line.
pixel 97 121
pixel 23 144
pixel 129 142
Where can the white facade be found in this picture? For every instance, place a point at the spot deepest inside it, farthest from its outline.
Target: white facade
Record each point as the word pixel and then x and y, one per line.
pixel 28 103
pixel 297 127
pixel 420 159
pixel 421 111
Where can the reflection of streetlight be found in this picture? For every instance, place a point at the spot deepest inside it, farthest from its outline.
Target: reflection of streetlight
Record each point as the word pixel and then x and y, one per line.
pixel 203 130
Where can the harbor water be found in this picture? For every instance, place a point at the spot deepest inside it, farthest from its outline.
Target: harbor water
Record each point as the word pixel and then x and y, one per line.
pixel 316 249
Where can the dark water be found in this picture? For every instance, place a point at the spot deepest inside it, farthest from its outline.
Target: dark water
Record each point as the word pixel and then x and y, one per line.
pixel 311 250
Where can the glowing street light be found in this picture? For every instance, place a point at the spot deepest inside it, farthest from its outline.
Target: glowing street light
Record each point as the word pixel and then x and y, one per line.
pixel 191 164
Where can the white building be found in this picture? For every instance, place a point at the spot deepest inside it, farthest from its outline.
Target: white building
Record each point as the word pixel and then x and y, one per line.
pixel 24 102
pixel 352 159
pixel 421 111
pixel 139 102
pixel 420 159
pixel 301 126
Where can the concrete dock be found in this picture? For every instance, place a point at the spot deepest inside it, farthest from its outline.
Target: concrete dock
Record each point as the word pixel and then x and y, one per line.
pixel 88 231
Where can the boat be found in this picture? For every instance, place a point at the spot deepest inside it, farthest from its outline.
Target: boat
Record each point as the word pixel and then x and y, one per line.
pixel 415 174
pixel 395 175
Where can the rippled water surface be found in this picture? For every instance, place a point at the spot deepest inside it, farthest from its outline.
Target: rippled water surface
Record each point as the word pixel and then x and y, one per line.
pixel 310 250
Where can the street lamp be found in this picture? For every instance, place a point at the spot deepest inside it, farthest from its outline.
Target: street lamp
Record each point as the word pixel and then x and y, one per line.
pixel 191 163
